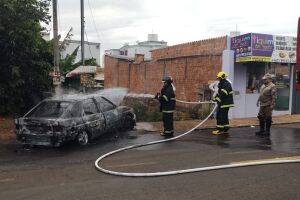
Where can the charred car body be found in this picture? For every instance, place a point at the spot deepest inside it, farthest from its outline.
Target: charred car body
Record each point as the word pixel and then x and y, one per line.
pixel 55 121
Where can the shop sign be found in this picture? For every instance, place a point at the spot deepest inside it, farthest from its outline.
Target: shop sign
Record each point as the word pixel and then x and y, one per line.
pixel 54 73
pixel 284 49
pixel 242 46
pixel 264 48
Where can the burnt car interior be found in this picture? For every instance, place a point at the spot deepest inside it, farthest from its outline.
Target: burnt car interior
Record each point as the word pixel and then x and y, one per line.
pixel 52 109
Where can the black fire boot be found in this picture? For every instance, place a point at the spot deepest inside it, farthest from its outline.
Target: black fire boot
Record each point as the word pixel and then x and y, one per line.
pixel 262 123
pixel 268 127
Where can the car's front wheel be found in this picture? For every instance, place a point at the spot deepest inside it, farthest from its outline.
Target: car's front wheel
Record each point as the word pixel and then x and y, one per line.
pixel 83 138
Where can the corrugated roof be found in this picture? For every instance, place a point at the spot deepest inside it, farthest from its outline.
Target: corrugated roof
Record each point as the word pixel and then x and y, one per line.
pixel 82 70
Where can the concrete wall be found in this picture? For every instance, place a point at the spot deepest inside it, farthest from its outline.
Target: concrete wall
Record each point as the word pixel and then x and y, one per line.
pixel 239 86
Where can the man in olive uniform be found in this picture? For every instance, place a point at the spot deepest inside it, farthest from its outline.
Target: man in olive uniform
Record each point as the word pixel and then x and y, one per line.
pixel 167 105
pixel 224 98
pixel 266 101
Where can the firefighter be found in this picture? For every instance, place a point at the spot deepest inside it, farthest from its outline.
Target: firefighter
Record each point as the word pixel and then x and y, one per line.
pixel 266 103
pixel 167 105
pixel 224 98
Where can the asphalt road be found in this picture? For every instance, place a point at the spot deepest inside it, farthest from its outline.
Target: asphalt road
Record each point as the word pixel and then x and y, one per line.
pixel 69 172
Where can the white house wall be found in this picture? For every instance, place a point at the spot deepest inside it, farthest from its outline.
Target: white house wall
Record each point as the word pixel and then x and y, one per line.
pixel 91 51
pixel 239 86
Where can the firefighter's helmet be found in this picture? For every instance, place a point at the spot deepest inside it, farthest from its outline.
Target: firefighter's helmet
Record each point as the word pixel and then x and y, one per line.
pixel 167 79
pixel 222 75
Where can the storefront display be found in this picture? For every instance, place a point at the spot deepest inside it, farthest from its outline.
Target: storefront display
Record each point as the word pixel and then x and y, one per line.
pixel 255 55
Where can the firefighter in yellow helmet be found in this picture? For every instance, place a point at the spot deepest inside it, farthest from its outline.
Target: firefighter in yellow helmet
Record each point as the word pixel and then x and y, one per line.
pixel 224 98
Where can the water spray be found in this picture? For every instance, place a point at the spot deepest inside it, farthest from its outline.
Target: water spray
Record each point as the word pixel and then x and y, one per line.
pixel 183 171
pixel 115 95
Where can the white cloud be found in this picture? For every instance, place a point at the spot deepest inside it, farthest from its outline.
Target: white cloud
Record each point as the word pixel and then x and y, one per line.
pixel 176 21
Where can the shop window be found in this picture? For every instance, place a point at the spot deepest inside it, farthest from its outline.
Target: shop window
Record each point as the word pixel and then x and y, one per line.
pixel 255 71
pixel 281 79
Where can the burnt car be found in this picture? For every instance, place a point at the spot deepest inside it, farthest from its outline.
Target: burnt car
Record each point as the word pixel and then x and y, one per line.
pixel 57 120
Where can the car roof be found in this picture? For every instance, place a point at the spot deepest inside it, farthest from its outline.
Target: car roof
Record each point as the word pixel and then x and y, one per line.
pixel 74 97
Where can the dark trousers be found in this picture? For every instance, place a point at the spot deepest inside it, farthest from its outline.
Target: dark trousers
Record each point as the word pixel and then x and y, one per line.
pixel 265 118
pixel 168 123
pixel 222 119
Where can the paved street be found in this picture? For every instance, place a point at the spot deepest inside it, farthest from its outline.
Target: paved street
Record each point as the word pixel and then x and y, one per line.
pixel 69 172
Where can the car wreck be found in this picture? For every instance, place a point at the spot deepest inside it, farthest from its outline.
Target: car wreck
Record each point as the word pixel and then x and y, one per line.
pixel 55 121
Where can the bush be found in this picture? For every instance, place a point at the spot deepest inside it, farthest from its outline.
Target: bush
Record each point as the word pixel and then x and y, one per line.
pixel 143 114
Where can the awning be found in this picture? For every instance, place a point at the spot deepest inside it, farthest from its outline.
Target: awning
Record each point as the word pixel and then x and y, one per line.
pixel 82 70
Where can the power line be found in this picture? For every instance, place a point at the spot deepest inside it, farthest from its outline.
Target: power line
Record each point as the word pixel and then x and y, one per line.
pixel 88 44
pixel 97 32
pixel 94 21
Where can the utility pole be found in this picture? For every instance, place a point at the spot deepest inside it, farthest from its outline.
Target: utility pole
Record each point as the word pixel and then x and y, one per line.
pixel 55 37
pixel 56 73
pixel 82 30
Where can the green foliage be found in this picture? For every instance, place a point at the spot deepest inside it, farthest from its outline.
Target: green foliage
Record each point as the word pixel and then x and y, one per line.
pixel 67 64
pixel 193 113
pixel 154 116
pixel 91 61
pixel 139 110
pixel 142 114
pixel 25 57
pixel 197 112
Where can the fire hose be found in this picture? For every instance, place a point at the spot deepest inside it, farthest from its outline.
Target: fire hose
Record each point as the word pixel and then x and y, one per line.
pixel 183 171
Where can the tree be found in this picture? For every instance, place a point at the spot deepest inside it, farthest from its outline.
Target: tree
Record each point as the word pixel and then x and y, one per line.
pixel 25 57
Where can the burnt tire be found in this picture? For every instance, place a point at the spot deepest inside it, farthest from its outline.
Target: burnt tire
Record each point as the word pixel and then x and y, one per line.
pixel 82 138
pixel 128 123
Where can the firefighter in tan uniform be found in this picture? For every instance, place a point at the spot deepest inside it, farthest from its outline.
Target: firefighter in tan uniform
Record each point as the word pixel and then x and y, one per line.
pixel 266 101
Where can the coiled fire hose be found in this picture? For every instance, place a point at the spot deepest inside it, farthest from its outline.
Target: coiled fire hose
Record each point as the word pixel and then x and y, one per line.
pixel 183 171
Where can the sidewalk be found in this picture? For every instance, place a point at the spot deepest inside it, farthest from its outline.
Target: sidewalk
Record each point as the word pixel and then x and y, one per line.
pixel 242 122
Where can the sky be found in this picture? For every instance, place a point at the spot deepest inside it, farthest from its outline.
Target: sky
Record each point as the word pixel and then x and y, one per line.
pixel 116 22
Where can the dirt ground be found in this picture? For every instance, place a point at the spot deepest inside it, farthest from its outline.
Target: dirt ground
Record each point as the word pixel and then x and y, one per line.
pixel 6 129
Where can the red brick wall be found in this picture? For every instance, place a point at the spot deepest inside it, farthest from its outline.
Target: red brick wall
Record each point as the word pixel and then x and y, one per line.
pixel 191 65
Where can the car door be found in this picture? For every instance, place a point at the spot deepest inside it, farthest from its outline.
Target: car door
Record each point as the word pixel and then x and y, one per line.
pixel 110 112
pixel 93 118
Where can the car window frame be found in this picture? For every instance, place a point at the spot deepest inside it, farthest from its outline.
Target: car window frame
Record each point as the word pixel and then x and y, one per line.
pixel 107 101
pixel 96 106
pixel 34 109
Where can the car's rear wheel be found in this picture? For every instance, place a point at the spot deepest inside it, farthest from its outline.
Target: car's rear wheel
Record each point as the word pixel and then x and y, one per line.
pixel 83 138
pixel 127 123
